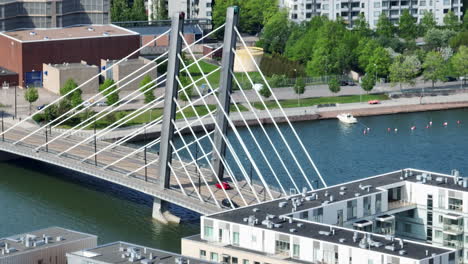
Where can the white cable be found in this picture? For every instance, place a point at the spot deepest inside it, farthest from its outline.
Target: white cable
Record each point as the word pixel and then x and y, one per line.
pixel 86 82
pixel 280 133
pixel 203 152
pixel 204 128
pixel 134 133
pixel 282 110
pixel 188 175
pixel 103 91
pixel 258 145
pixel 234 129
pixel 178 182
pixel 94 119
pixel 266 134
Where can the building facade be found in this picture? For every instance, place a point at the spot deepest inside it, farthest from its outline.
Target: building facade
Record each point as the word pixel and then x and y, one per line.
pixel 25 52
pixel 403 217
pixel 26 14
pixel 303 10
pixel 193 9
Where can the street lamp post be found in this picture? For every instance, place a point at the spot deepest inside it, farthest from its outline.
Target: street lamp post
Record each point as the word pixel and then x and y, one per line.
pixel 46 140
pixel 146 167
pixel 3 128
pixel 95 143
pixel 16 111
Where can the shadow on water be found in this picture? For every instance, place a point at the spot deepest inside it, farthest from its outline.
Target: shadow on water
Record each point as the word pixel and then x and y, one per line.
pixel 35 195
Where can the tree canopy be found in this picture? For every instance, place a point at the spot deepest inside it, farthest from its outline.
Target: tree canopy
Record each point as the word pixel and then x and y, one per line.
pixel 334 85
pixel 385 27
pixel 407 28
pixel 434 67
pixel 31 95
pixel 147 89
pixel 460 62
pixel 276 32
pixel 111 96
pixel 404 69
pixel 121 10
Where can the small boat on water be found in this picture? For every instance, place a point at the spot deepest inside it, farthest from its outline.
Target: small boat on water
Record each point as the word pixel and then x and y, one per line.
pixel 347 118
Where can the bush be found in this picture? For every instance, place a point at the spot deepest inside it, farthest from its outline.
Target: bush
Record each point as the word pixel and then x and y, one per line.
pixel 277 80
pixel 38 118
pixel 277 64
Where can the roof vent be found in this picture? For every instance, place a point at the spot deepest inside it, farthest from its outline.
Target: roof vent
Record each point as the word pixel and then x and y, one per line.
pixel 90 29
pixel 324 233
pixel 326 193
pixel 46 38
pixel 300 224
pixel 255 210
pixel 292 230
pixel 277 225
pixel 355 237
pixel 342 193
pixel 343 188
pixel 105 34
pixel 304 191
pixel 390 247
pixel 283 204
pixel 32 33
pixel 357 194
pixel 342 240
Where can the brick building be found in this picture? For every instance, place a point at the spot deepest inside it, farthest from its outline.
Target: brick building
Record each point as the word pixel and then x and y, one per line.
pixel 24 52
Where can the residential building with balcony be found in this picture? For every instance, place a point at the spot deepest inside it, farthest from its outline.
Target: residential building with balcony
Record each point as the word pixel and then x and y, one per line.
pixel 303 10
pixel 193 9
pixel 402 217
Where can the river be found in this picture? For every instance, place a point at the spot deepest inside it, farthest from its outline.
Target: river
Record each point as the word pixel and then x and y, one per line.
pixel 35 195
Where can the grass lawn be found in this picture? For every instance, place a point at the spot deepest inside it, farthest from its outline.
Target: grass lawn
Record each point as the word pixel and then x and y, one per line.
pixel 152 115
pixel 322 100
pixel 215 77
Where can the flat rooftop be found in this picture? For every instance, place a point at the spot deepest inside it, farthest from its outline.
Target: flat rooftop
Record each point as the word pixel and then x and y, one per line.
pixel 126 253
pixel 55 236
pixel 278 208
pixel 76 32
pixel 5 72
pixel 76 65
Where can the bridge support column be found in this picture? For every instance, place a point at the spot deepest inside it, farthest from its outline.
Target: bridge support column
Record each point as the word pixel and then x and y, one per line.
pixel 225 90
pixel 167 128
pixel 161 212
pixel 5 156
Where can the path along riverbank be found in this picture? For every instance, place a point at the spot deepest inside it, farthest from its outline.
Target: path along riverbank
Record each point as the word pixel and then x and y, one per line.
pixel 393 106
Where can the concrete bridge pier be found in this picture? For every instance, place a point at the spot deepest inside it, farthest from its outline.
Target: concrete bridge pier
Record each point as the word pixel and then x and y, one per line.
pixel 5 156
pixel 161 212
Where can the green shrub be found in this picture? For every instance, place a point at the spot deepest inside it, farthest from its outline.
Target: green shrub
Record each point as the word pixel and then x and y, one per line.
pixel 38 118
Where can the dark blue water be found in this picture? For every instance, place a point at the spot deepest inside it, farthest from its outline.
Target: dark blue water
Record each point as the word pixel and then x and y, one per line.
pixel 33 196
pixel 343 152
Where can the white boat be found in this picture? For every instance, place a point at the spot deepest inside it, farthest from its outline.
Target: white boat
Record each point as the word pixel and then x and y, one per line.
pixel 347 118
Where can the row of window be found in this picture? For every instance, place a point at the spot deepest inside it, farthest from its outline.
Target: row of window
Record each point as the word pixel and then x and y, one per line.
pixel 225 259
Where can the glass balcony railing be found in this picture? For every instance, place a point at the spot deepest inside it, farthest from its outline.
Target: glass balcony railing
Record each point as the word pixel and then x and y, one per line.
pixel 457 229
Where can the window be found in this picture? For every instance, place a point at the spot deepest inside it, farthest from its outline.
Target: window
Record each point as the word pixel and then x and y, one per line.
pixel 214 257
pixel 282 247
pixel 455 204
pixel 325 7
pixel 305 215
pixel 367 206
pixel 407 228
pixel 378 197
pixel 234 260
pixel 352 209
pixel 376 4
pixel 208 230
pixel 254 238
pixel 317 215
pixel 235 238
pixel 296 251
pixel 202 254
pixel 422 3
pixel 441 219
pixel 245 261
pixel 438 234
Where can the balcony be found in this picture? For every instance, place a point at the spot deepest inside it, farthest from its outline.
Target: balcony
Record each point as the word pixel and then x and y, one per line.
pixel 453 229
pixel 399 204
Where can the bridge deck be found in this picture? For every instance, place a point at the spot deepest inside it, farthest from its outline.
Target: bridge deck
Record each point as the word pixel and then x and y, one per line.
pixel 187 198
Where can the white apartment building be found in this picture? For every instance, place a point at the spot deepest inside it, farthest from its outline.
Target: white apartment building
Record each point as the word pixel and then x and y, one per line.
pixel 402 217
pixel 194 9
pixel 302 10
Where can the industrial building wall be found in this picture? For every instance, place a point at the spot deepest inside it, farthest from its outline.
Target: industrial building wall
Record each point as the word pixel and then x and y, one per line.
pixel 91 50
pixel 11 55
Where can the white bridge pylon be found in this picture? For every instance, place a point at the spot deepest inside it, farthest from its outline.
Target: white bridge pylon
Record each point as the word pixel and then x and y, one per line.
pixel 200 153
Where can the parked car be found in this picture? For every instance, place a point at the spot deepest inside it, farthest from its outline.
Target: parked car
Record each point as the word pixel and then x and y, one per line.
pixel 87 104
pixel 227 203
pixel 223 185
pixel 101 104
pixel 374 102
pixel 41 107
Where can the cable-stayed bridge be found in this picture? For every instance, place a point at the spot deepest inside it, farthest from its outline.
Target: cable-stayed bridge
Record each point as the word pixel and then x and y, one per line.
pixel 175 173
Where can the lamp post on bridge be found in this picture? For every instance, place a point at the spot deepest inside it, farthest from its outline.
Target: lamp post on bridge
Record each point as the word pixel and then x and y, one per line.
pixel 95 143
pixel 146 168
pixel 3 126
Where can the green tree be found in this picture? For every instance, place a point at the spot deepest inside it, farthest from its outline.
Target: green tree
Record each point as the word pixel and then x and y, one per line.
pixel 379 63
pixel 159 10
pixel 460 62
pixel 111 96
pixel 334 85
pixel 147 89
pixel 119 11
pixel 301 42
pixel 368 83
pixel 407 28
pixel 404 69
pixel 361 26
pixel 299 89
pixel 253 13
pixel 385 27
pixel 31 95
pixel 427 22
pixel 74 98
pixel 365 51
pixel 451 21
pixel 434 67
pixel 461 39
pixel 332 51
pixel 186 94
pixel 276 32
pixel 138 12
pixel 438 38
pixel 265 92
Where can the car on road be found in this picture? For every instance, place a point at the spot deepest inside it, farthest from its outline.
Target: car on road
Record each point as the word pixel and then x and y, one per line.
pixel 227 203
pixel 41 107
pixel 87 104
pixel 101 104
pixel 347 83
pixel 223 185
pixel 374 102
